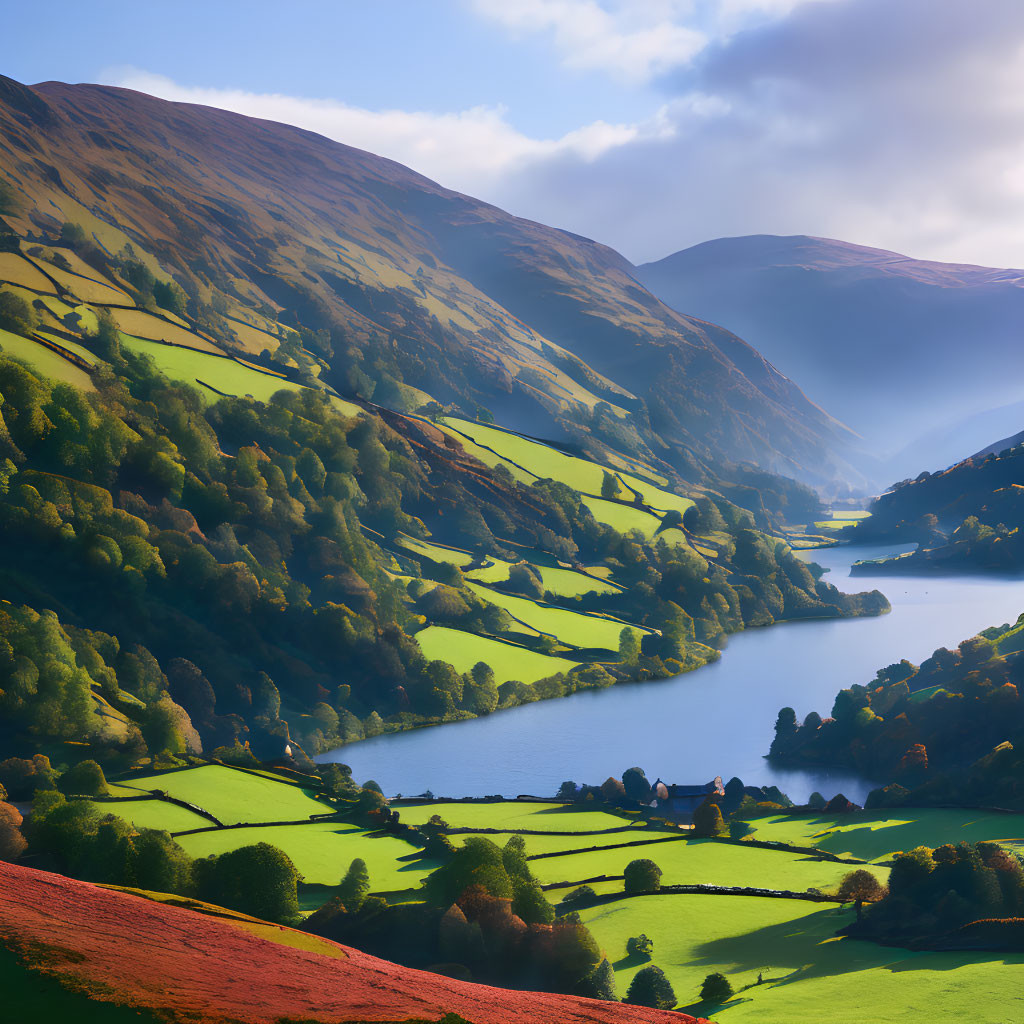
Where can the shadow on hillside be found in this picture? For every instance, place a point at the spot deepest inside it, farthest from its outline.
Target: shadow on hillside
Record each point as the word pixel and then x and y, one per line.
pixel 808 947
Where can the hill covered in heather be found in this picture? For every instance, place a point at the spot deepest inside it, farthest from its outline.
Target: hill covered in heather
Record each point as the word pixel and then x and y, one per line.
pixel 108 949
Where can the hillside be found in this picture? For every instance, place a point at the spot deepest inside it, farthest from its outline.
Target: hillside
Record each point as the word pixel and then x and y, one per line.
pixel 964 519
pixel 405 291
pixel 181 966
pixel 887 343
pixel 278 563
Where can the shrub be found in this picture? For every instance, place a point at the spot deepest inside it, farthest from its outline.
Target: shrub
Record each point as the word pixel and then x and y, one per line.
pixel 639 945
pixel 85 779
pixel 584 894
pixel 642 876
pixel 650 987
pixel 716 988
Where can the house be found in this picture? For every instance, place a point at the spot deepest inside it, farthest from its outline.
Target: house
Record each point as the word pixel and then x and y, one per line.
pixel 682 801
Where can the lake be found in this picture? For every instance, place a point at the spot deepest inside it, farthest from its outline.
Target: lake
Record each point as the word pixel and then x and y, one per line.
pixel 718 720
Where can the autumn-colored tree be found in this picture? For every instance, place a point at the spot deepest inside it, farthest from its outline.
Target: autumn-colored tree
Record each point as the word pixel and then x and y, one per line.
pixel 860 887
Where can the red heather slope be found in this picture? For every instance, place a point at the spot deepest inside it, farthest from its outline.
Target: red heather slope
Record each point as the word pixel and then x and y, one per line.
pixel 190 966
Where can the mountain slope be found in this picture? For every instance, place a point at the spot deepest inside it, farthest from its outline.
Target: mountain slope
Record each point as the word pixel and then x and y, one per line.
pixel 885 342
pixel 186 966
pixel 399 281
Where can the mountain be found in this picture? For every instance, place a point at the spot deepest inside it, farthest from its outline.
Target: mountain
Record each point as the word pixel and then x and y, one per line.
pixel 280 566
pixel 406 291
pixel 157 959
pixel 887 343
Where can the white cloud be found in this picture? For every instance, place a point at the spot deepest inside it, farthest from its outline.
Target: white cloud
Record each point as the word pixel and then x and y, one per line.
pixel 468 150
pixel 894 125
pixel 634 41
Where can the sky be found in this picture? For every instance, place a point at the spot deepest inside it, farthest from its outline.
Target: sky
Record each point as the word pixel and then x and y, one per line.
pixel 650 125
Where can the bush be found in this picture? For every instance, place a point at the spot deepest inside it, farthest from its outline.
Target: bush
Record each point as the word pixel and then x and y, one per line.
pixel 259 880
pixel 639 945
pixel 16 315
pixel 642 876
pixel 584 894
pixel 85 779
pixel 650 987
pixel 716 988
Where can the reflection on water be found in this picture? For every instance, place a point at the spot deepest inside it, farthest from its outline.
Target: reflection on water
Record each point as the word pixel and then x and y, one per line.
pixel 716 721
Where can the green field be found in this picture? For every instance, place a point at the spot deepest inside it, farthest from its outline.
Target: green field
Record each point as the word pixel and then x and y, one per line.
pixel 235 796
pixel 876 835
pixel 570 627
pixel 464 650
pixel 435 552
pixel 322 852
pixel 703 862
pixel 547 843
pixel 810 975
pixel 542 461
pixel 44 360
pixel 561 582
pixel 209 371
pixel 158 814
pixel 516 814
pixel 539 459
pixel 623 518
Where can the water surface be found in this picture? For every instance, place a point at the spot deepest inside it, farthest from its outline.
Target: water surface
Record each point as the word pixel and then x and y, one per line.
pixel 716 721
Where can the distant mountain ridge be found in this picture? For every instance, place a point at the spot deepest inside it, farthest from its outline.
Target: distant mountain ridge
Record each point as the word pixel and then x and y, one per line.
pixel 887 343
pixel 415 286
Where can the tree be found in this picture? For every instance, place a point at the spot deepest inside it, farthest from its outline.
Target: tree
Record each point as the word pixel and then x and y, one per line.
pixel 642 875
pixel 16 315
pixel 707 820
pixel 12 842
pixel 610 486
pixel 355 886
pixel 860 887
pixel 716 988
pixel 629 647
pixel 639 945
pixel 637 787
pixel 477 862
pixel 650 987
pixel 85 779
pixel 602 982
pixel 260 880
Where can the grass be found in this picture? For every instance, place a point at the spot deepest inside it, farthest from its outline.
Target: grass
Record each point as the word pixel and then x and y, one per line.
pixel 158 814
pixel 876 835
pixel 140 324
pixel 517 814
pixel 15 269
pixel 322 852
pixel 203 368
pixel 570 627
pixel 234 796
pixel 542 461
pixel 538 844
pixel 436 552
pixel 539 459
pixel 810 974
pixel 44 360
pixel 704 862
pixel 464 650
pixel 623 517
pixel 561 582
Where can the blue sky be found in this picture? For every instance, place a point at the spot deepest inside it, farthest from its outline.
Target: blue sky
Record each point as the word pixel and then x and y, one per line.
pixel 648 124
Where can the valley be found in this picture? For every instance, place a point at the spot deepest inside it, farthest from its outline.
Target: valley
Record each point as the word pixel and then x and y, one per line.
pixel 411 612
